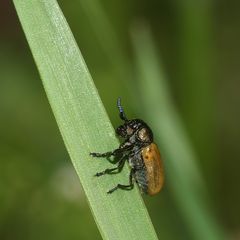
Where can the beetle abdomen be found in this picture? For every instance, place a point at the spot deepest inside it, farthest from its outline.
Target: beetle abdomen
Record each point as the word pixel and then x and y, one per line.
pixel 154 168
pixel 141 179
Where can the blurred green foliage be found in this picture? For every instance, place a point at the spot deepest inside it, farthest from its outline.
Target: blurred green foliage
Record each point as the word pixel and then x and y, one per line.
pixel 199 51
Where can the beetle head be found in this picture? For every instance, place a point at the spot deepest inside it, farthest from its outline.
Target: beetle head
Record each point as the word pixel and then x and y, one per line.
pixel 135 127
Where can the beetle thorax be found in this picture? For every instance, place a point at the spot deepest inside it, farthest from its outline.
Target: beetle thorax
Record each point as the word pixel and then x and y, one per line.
pixel 143 135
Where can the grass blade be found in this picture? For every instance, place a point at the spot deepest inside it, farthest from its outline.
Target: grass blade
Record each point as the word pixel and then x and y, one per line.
pixel 82 120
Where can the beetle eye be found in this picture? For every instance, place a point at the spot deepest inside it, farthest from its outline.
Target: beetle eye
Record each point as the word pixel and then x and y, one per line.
pixel 129 131
pixel 122 131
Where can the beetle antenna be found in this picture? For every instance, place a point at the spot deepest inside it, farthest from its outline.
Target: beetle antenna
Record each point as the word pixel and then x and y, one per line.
pixel 121 111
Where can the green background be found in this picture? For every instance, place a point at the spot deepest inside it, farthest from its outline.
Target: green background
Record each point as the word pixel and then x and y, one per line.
pixel 198 44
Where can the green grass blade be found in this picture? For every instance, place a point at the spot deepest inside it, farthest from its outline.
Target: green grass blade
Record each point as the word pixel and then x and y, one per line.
pixel 82 120
pixel 183 176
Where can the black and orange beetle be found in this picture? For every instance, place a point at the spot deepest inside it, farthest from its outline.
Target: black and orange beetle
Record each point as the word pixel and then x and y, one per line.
pixel 141 153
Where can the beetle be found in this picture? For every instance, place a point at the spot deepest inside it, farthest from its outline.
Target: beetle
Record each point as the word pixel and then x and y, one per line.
pixel 142 154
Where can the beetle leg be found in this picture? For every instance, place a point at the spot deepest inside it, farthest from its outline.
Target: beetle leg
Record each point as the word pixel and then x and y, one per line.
pixel 124 187
pixel 113 153
pixel 112 170
pixel 106 154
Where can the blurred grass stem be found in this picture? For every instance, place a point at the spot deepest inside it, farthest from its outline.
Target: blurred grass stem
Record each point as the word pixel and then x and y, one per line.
pixel 183 176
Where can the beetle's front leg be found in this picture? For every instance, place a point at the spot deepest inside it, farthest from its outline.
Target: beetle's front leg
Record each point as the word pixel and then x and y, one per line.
pixel 123 148
pixel 108 154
